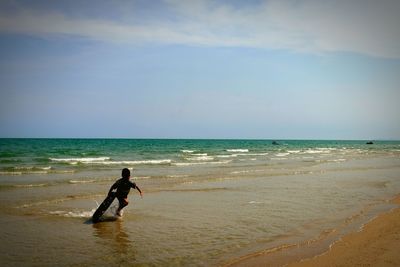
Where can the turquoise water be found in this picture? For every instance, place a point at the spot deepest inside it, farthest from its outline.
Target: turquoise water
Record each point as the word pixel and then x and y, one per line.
pixel 156 157
pixel 206 202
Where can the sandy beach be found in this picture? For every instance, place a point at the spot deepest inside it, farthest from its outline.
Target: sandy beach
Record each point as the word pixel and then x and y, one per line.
pixel 377 243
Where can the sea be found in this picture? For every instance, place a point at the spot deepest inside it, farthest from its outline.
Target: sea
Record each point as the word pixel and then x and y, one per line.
pixel 205 202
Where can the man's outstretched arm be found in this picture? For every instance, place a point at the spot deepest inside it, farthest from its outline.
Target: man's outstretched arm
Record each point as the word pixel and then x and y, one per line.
pixel 140 191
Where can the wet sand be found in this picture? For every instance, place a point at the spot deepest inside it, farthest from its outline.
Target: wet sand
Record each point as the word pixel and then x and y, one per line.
pixel 377 243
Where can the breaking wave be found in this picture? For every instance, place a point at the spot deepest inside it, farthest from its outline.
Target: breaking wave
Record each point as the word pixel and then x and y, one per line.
pixel 237 150
pixel 108 161
pixel 82 160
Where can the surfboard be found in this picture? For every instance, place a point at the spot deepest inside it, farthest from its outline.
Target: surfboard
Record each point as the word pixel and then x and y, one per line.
pixel 103 207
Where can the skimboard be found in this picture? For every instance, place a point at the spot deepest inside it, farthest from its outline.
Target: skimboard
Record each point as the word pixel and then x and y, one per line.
pixel 103 207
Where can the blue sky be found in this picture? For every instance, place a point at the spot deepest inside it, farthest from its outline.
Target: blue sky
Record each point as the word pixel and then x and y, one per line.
pixel 200 69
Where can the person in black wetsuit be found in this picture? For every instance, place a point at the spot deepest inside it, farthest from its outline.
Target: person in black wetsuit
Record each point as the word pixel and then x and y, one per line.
pixel 122 187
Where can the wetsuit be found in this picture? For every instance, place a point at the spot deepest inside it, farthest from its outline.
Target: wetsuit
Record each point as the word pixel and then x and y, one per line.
pixel 123 187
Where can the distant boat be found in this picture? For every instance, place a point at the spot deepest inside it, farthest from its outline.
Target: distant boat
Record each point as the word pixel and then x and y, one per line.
pixel 275 143
pixel 370 143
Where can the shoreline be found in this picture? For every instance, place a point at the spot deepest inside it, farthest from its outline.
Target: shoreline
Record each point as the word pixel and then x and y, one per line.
pixel 376 242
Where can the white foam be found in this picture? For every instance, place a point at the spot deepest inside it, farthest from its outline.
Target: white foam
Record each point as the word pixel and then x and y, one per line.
pixel 241 154
pixel 237 150
pixel 74 214
pixel 24 172
pixel 227 156
pixel 318 151
pixel 20 170
pixel 111 212
pixel 178 176
pixel 337 160
pixel 183 164
pixel 32 168
pixel 293 151
pixel 250 154
pixel 201 158
pixel 132 162
pixel 83 160
pixel 282 154
pixel 30 185
pixel 81 181
pixel 187 151
pixel 247 171
pixel 327 148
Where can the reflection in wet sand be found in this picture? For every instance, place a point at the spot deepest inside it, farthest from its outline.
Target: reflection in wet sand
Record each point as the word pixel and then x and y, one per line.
pixel 112 234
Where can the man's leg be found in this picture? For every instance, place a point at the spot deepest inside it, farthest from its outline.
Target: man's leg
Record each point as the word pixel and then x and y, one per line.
pixel 123 202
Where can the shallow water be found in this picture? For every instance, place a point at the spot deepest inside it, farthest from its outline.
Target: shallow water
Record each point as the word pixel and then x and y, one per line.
pixel 213 201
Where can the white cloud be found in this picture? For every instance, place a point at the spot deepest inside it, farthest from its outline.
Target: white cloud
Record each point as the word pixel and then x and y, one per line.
pixel 367 27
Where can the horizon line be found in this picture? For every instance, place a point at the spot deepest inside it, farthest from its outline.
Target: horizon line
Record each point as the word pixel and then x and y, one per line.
pixel 186 138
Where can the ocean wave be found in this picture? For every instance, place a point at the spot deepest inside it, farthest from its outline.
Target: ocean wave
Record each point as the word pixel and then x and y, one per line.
pixel 321 150
pixel 227 156
pixel 33 170
pixel 242 155
pixel 81 181
pixel 279 158
pixel 237 150
pixel 246 171
pixel 187 151
pixel 22 172
pixel 282 154
pixel 183 164
pixel 134 162
pixel 30 168
pixel 107 161
pixel 178 176
pixel 200 158
pixel 250 154
pixel 337 160
pixel 327 148
pixel 82 160
pixel 29 185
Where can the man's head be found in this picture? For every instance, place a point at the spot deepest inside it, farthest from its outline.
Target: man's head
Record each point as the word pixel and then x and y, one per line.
pixel 126 173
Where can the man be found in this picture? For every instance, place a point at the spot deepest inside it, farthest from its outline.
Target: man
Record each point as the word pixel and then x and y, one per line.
pixel 122 187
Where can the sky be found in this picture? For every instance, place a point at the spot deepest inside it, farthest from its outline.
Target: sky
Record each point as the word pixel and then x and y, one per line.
pixel 276 69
